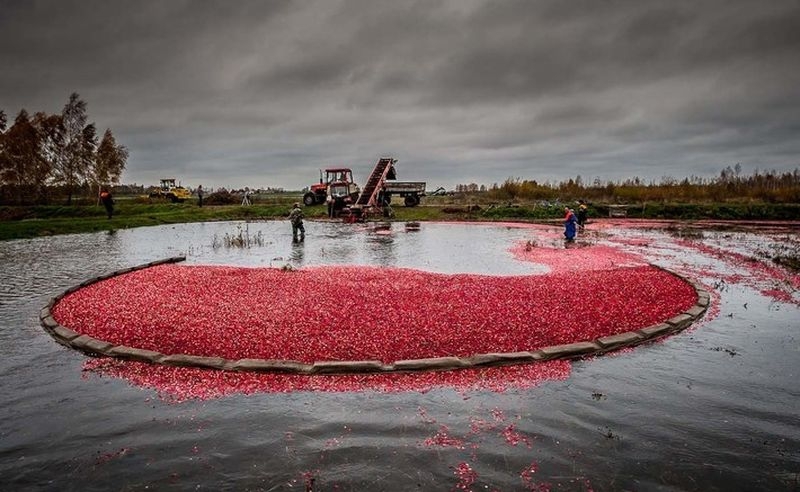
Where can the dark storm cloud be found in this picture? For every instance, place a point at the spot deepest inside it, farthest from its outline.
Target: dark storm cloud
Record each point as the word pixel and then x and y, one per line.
pixel 264 93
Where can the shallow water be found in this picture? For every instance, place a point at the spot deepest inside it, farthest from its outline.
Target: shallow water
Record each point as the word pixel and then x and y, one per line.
pixel 712 408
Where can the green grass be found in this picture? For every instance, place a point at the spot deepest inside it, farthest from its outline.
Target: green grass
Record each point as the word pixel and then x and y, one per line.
pixel 41 220
pixel 25 222
pixel 718 211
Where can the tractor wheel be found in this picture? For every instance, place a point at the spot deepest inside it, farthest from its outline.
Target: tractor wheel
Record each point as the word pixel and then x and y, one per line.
pixel 411 201
pixel 172 198
pixel 309 199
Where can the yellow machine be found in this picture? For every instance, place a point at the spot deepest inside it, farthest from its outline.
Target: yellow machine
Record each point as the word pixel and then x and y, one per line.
pixel 170 191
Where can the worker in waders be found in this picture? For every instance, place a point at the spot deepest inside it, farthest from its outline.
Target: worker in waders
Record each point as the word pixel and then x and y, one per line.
pixel 583 213
pixel 296 218
pixel 570 225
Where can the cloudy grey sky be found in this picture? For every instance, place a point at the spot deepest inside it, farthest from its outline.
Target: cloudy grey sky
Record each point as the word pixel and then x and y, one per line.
pixel 264 93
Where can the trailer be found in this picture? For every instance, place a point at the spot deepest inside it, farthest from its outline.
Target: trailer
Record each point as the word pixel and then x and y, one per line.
pixel 410 191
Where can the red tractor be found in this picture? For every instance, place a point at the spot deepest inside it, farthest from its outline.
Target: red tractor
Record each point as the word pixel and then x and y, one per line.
pixel 336 188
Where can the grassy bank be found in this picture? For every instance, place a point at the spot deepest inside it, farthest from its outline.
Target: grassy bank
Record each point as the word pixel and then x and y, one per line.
pixel 34 221
pixel 24 222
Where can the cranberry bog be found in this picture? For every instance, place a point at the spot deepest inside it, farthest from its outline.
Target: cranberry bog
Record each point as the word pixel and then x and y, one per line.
pixel 410 309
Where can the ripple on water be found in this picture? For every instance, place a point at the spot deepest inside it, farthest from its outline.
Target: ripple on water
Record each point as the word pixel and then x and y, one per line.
pixel 681 415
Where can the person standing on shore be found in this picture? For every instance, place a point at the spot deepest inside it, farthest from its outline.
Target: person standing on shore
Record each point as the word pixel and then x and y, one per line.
pixel 200 195
pixel 108 202
pixel 296 218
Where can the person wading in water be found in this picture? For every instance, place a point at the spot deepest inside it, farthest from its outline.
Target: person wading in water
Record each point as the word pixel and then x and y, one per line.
pixel 296 218
pixel 570 225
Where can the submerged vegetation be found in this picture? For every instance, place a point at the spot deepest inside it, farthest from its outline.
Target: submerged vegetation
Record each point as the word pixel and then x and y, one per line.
pixel 785 253
pixel 242 239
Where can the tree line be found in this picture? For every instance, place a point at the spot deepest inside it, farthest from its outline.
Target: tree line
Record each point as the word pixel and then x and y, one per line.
pixel 45 156
pixel 731 185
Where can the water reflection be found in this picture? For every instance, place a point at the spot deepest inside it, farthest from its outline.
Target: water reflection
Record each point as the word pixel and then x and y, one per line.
pixel 298 253
pixel 670 415
pixel 381 246
pixel 434 247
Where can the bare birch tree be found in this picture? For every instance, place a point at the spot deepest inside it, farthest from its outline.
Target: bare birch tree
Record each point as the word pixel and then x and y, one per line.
pixel 70 163
pixel 109 161
pixel 51 135
pixel 22 156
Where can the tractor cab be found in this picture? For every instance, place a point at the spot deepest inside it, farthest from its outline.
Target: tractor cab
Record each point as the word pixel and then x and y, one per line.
pixel 170 191
pixel 339 175
pixel 340 178
pixel 167 184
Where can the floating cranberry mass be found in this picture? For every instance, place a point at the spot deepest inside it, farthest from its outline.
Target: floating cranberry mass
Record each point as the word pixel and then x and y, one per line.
pixel 329 314
pixel 365 313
